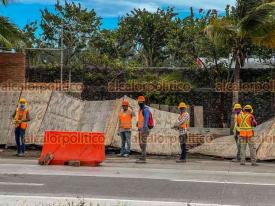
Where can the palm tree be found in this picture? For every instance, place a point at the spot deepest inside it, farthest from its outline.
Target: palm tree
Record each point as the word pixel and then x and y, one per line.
pixel 250 21
pixel 4 2
pixel 10 35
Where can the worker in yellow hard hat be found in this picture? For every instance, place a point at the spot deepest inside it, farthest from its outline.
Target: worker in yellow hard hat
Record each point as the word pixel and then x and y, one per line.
pixel 183 125
pixel 237 109
pixel 246 123
pixel 20 118
pixel 125 117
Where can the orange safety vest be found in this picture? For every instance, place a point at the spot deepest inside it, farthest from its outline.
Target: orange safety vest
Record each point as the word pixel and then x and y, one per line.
pixel 184 125
pixel 21 115
pixel 140 119
pixel 125 119
pixel 245 124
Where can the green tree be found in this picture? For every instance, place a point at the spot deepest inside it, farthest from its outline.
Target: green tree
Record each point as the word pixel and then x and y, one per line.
pixel 30 38
pixel 110 42
pixel 250 21
pixel 10 35
pixel 148 33
pixel 71 25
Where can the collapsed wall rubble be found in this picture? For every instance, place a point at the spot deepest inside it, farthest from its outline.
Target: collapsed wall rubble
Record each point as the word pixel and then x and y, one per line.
pixel 52 110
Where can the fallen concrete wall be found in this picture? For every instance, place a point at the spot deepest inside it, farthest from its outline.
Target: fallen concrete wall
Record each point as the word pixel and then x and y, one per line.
pixel 59 111
pixel 63 113
pixel 226 146
pixel 37 105
pixel 8 102
pixel 162 139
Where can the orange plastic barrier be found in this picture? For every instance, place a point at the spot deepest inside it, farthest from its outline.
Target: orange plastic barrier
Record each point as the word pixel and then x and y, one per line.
pixel 86 147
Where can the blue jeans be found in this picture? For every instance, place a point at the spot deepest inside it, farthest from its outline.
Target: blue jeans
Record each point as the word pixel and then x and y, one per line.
pixel 125 139
pixel 20 140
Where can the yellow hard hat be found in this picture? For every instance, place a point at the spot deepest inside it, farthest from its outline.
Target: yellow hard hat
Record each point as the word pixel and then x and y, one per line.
pixel 237 106
pixel 22 101
pixel 182 105
pixel 249 107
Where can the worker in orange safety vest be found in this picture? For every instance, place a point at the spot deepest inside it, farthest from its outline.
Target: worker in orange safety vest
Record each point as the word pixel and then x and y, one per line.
pixel 20 118
pixel 125 125
pixel 246 123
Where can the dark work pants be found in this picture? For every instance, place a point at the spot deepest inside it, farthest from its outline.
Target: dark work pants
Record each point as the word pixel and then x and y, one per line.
pixel 125 139
pixel 20 140
pixel 237 137
pixel 183 146
pixel 142 136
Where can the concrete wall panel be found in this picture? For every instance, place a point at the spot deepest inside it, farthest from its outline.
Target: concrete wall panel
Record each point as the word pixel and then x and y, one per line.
pixel 8 103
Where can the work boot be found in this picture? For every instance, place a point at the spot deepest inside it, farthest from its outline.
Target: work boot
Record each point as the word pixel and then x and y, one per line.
pixel 181 161
pixel 242 163
pixel 236 160
pixel 254 164
pixel 125 155
pixel 141 160
pixel 21 155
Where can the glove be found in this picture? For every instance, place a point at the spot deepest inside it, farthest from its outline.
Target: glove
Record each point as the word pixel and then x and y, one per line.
pixel 254 123
pixel 17 121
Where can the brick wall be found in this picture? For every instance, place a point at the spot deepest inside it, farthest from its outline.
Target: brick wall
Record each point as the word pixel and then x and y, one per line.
pixel 12 67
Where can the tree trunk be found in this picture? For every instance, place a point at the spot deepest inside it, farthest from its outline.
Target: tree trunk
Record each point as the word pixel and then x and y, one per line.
pixel 235 98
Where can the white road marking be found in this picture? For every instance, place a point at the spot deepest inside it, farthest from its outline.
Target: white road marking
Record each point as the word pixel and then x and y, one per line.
pixel 224 182
pixel 21 184
pixel 60 201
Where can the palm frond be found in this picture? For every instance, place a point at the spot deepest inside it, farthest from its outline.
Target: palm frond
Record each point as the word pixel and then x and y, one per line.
pixel 259 21
pixel 267 40
pixel 4 2
pixel 10 34
pixel 221 32
pixel 4 42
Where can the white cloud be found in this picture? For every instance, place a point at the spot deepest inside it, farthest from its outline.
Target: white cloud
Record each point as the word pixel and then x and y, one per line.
pixel 119 7
pixel 108 8
pixel 34 1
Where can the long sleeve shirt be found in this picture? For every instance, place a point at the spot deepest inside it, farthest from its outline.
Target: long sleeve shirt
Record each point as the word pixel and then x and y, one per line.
pixel 146 114
pixel 182 120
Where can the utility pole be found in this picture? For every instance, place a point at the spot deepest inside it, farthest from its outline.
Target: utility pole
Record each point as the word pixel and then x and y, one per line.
pixel 61 59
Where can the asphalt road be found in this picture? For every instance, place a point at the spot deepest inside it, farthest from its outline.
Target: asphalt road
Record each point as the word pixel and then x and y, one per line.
pixel 159 182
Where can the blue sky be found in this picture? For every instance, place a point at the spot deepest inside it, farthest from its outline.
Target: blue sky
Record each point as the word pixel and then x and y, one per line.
pixel 22 12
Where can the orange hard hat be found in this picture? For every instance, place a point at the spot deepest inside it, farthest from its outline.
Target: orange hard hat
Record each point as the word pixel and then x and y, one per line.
pixel 141 99
pixel 125 103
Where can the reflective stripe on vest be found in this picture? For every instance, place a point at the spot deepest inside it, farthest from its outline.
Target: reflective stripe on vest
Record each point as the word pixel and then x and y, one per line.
pixel 125 119
pixel 245 122
pixel 21 115
pixel 185 124
pixel 140 119
pixel 245 126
